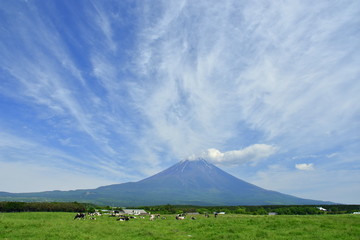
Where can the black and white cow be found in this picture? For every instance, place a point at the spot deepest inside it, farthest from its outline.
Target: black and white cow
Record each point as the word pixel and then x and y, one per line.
pixel 180 217
pixel 80 216
pixel 123 218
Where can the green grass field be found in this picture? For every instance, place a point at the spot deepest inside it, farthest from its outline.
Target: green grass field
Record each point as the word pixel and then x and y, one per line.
pixel 41 225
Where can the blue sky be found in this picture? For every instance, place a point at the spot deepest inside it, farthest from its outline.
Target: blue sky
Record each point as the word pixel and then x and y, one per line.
pixel 101 92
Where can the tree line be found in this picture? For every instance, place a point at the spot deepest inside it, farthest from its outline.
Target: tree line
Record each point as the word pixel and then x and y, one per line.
pixel 176 209
pixel 43 207
pixel 255 210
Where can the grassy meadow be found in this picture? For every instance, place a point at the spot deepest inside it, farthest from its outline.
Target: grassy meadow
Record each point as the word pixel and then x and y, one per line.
pixel 47 225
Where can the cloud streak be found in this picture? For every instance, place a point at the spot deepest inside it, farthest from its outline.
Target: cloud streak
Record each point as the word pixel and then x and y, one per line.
pixel 248 64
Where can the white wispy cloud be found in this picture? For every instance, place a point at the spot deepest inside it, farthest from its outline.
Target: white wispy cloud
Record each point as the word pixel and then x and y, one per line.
pixel 103 19
pixel 48 80
pixel 18 150
pixel 305 166
pixel 47 77
pixel 266 65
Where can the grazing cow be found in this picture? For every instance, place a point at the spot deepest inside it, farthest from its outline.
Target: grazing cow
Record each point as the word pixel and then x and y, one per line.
pixel 152 217
pixel 94 214
pixel 79 216
pixel 193 218
pixel 123 218
pixel 206 215
pixel 179 217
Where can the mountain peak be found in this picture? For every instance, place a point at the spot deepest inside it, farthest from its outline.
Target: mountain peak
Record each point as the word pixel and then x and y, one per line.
pixel 186 169
pixel 198 162
pixel 189 182
pixel 199 159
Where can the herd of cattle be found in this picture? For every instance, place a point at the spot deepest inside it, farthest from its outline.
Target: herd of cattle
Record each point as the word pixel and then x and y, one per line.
pixel 121 217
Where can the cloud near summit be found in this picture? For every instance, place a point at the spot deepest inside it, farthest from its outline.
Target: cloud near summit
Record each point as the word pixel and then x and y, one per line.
pixel 305 166
pixel 251 154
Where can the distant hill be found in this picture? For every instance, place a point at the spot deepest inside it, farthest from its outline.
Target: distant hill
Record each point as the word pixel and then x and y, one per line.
pixel 185 183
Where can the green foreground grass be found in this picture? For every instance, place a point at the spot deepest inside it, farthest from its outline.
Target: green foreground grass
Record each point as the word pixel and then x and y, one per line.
pixel 40 225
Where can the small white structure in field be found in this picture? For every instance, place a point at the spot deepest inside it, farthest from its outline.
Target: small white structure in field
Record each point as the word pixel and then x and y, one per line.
pixel 272 213
pixel 135 212
pixel 321 209
pixel 356 212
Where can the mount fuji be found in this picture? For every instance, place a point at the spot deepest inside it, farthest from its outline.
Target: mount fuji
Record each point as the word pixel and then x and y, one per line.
pixel 188 182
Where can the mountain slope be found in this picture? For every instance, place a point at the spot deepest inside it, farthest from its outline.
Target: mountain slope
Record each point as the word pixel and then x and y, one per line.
pixel 187 182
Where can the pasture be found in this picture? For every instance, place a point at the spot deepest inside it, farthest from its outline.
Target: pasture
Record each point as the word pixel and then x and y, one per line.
pixel 41 225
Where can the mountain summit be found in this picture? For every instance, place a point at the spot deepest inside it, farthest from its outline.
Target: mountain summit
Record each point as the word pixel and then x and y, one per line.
pixel 185 183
